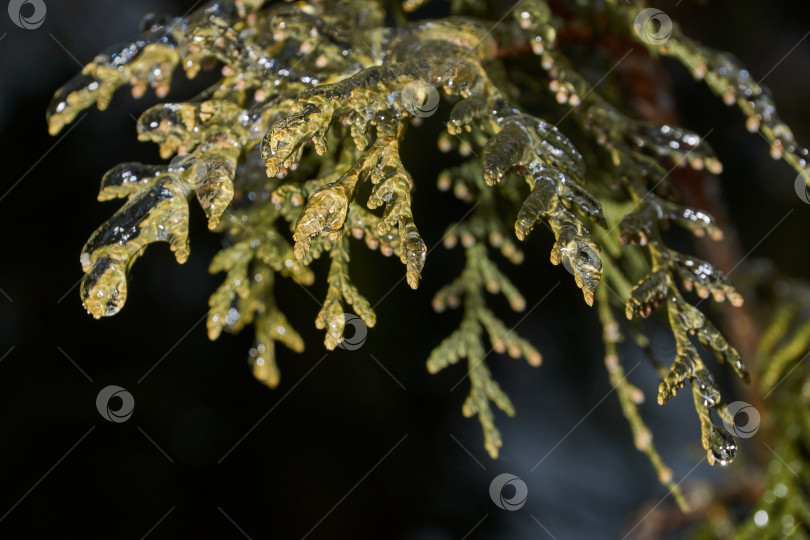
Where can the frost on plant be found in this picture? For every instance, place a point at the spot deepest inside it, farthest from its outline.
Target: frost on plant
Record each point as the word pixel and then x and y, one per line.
pixel 313 104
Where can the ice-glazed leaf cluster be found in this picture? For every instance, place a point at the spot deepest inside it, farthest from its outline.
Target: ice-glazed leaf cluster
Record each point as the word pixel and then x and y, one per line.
pixel 298 143
pixel 776 492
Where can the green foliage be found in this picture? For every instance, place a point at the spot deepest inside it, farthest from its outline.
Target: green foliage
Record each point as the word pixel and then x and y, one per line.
pixel 779 497
pixel 314 102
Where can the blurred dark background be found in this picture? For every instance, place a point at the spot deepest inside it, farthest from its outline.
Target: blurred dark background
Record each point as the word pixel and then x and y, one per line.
pixel 346 449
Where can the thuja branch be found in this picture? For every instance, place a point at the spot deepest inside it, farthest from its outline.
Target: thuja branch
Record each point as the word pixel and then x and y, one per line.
pixel 296 150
